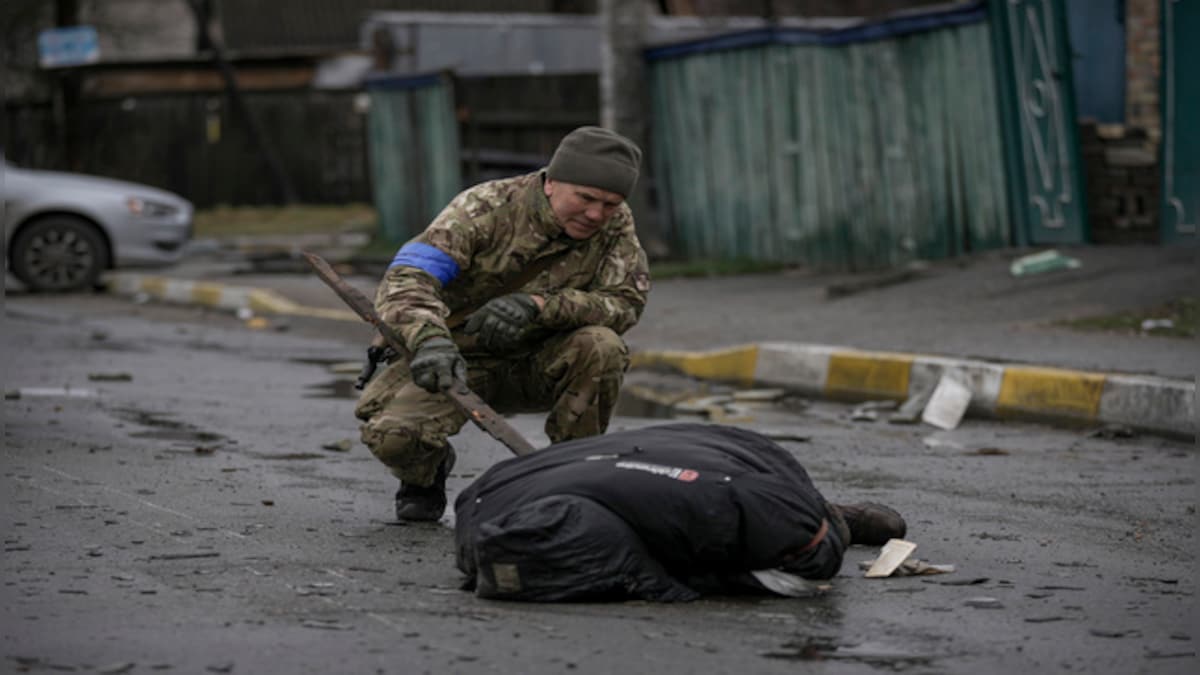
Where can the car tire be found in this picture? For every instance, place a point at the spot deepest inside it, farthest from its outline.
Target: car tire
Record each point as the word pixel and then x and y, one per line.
pixel 57 254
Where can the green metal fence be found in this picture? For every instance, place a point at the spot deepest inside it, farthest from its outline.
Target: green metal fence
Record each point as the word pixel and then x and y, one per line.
pixel 414 151
pixel 814 148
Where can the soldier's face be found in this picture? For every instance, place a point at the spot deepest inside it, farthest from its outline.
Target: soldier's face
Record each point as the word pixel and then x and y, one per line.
pixel 581 210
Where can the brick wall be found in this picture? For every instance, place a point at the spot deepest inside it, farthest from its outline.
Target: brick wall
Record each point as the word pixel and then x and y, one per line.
pixel 1142 65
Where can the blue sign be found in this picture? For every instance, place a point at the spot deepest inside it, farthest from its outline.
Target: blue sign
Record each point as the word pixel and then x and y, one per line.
pixel 73 46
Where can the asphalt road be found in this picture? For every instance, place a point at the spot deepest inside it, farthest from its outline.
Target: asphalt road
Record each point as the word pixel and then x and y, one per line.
pixel 169 507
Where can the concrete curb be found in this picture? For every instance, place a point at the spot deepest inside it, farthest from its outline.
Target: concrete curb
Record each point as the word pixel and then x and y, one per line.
pixel 217 296
pixel 1011 391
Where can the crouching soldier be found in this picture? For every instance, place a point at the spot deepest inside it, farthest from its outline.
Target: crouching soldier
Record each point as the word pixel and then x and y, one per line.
pixel 522 288
pixel 663 513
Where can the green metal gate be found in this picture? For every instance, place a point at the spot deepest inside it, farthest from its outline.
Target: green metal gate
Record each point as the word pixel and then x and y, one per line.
pixel 1033 63
pixel 1181 110
pixel 414 151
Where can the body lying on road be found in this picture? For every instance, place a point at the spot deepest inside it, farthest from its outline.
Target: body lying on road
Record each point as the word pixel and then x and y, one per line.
pixel 662 513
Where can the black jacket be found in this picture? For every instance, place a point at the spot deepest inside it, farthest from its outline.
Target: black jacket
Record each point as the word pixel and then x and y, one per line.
pixel 654 513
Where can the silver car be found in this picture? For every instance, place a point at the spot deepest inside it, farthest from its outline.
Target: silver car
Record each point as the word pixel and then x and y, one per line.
pixel 62 230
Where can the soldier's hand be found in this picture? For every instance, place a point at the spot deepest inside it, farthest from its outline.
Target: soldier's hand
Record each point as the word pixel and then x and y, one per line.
pixel 437 364
pixel 501 323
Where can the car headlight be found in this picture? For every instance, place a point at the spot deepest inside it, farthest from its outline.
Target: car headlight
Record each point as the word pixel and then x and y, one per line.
pixel 145 207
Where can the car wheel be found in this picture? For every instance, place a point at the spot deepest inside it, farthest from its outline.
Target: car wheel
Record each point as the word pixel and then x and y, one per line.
pixel 59 253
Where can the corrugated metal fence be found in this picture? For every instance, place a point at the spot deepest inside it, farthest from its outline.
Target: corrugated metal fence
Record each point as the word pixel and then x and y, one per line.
pixel 414 151
pixel 797 146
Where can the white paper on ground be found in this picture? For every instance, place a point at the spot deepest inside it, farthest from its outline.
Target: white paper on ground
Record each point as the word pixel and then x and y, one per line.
pixel 947 405
pixel 894 552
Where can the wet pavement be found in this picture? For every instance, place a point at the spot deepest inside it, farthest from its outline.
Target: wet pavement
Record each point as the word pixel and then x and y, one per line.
pixel 201 511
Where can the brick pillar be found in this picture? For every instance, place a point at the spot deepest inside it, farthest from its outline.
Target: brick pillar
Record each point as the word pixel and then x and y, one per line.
pixel 1142 65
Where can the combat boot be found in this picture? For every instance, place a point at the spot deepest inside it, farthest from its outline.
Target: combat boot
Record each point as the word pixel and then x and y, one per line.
pixel 425 503
pixel 872 524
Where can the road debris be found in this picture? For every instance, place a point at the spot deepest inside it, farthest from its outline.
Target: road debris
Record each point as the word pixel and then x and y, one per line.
pixel 110 377
pixel 758 395
pixel 869 411
pixel 325 624
pixel 989 452
pixel 912 567
pixel 984 602
pixel 893 554
pixel 1149 325
pixel 910 411
pixel 948 404
pixel 343 445
pixel 49 392
pixel 1045 261
pixel 1111 431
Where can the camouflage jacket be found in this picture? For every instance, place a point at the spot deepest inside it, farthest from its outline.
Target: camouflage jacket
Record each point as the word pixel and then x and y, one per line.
pixel 480 243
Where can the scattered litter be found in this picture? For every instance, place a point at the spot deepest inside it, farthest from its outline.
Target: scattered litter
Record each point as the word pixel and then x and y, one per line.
pixel 948 404
pixel 894 552
pixel 50 392
pixel 204 449
pixel 984 602
pixel 989 452
pixel 787 436
pixel 245 313
pixel 702 405
pixel 912 568
pixel 758 395
pixel 1152 324
pixel 257 323
pixel 1111 431
pixel 910 411
pixel 869 411
pixel 1046 261
pixel 343 445
pixel 110 377
pixel 141 298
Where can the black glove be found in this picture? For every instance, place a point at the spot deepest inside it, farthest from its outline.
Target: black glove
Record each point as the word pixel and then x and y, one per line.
pixel 437 364
pixel 502 322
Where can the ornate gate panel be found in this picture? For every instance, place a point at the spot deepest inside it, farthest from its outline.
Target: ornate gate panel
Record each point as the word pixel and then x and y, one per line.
pixel 1034 67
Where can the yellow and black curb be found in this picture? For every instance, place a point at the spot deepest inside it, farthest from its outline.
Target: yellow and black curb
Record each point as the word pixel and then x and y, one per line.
pixel 1011 391
pixel 218 296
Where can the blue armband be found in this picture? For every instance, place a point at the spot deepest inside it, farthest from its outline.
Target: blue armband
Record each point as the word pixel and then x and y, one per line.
pixel 427 258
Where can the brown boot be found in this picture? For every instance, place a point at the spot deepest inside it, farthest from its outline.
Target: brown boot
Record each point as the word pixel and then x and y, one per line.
pixel 872 524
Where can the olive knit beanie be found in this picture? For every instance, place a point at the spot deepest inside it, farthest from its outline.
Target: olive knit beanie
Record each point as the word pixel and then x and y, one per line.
pixel 598 158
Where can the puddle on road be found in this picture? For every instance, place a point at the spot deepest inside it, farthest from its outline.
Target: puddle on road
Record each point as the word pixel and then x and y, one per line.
pixel 829 649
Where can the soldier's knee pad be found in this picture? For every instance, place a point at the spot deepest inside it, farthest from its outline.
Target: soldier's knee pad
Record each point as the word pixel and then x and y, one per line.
pixel 601 347
pixel 391 443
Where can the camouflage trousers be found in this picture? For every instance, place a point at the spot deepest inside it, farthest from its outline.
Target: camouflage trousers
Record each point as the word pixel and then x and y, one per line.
pixel 575 375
